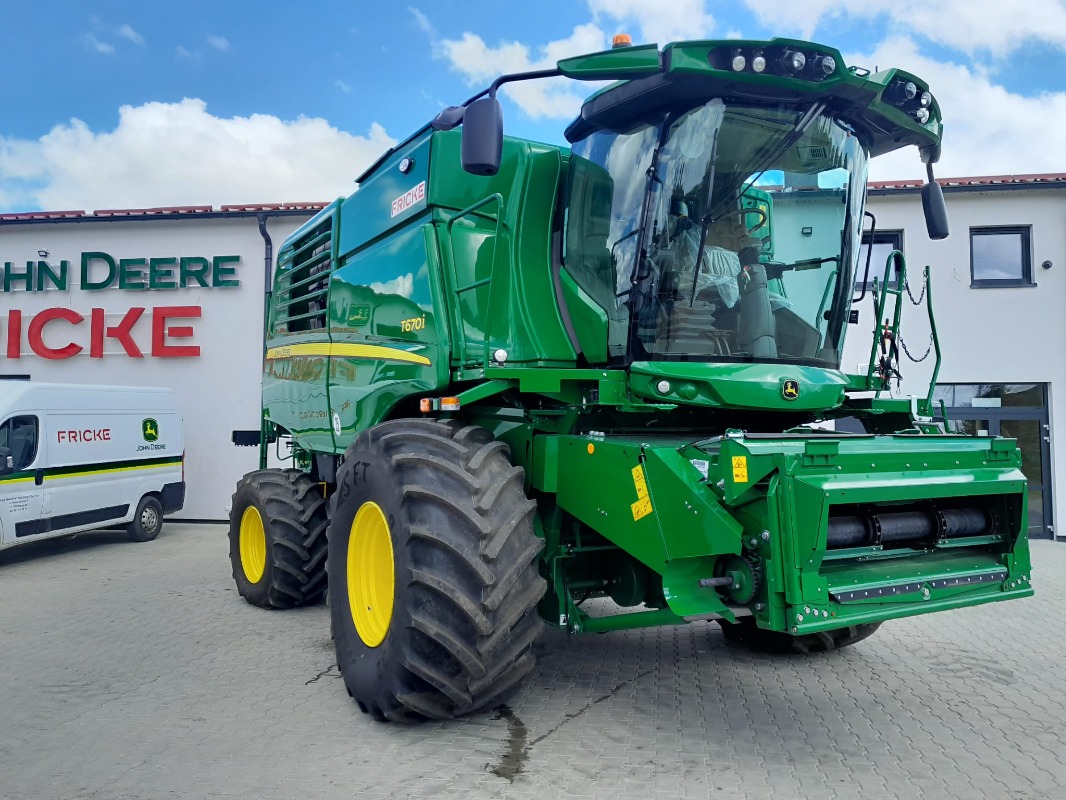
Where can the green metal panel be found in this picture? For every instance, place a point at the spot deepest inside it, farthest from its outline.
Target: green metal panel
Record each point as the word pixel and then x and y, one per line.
pixel 384 331
pixel 607 503
pixel 759 386
pixel 588 319
pixel 623 62
pixel 388 198
pixel 650 501
pixel 495 237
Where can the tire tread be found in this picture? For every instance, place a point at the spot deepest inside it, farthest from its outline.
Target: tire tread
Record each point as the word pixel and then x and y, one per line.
pixel 295 518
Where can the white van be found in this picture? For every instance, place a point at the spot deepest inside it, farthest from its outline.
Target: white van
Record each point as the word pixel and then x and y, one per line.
pixel 74 458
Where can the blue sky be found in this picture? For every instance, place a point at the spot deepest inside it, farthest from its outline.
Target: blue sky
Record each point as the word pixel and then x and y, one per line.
pixel 134 104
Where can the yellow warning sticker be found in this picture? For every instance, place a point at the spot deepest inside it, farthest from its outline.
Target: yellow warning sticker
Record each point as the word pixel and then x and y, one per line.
pixel 639 482
pixel 641 508
pixel 740 469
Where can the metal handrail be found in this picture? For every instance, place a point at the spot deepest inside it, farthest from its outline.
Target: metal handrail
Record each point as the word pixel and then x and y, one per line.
pixel 881 295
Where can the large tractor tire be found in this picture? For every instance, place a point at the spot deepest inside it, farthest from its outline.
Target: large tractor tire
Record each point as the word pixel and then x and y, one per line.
pixel 745 632
pixel 432 571
pixel 277 536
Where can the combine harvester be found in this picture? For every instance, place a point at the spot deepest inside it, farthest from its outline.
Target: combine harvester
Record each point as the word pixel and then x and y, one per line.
pixel 514 377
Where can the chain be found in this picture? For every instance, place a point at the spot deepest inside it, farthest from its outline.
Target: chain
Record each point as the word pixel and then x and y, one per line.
pixel 907 286
pixel 908 352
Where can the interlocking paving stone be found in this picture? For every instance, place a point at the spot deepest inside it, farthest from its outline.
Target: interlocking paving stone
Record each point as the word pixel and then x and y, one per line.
pixel 136 671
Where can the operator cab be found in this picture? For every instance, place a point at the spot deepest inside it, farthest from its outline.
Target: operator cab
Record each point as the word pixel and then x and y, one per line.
pixel 718 231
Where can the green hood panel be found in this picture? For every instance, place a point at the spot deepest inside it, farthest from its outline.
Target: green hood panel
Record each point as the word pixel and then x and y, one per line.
pixel 770 387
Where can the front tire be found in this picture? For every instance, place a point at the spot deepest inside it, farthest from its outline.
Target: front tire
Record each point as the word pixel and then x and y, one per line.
pixel 277 537
pixel 433 571
pixel 147 520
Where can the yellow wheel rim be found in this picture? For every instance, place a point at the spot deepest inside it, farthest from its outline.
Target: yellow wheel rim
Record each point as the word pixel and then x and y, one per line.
pixel 371 574
pixel 253 543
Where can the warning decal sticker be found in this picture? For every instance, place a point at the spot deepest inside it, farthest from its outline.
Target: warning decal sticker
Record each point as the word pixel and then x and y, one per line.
pixel 740 469
pixel 642 507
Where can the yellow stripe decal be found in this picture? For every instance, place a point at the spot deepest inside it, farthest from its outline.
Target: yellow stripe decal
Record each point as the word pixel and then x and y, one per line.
pixel 52 476
pixel 341 350
pixel 110 470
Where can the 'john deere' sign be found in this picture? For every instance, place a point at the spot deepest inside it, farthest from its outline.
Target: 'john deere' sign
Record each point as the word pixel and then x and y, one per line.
pixel 102 271
pixel 70 328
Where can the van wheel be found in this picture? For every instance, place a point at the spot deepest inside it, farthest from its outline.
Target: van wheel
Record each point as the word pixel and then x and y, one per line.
pixel 432 571
pixel 147 520
pixel 277 535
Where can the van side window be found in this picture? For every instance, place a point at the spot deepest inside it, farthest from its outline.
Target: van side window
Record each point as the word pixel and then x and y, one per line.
pixel 20 434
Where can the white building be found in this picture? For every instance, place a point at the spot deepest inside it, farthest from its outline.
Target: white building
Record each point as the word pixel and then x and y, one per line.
pixel 174 297
pixel 999 288
pixel 159 297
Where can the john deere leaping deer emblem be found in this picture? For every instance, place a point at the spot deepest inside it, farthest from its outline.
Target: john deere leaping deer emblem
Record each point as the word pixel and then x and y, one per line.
pixel 150 430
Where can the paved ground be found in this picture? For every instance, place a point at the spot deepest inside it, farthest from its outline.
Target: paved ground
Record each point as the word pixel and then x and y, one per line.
pixel 135 671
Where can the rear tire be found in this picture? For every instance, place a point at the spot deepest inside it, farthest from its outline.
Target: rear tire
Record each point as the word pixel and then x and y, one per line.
pixel 745 632
pixel 277 537
pixel 433 571
pixel 147 520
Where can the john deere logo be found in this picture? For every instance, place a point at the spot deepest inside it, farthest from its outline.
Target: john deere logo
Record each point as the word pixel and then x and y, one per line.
pixel 150 430
pixel 359 315
pixel 790 389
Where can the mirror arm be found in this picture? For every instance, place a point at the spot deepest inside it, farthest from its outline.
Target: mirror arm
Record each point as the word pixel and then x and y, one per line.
pixel 517 76
pixel 511 78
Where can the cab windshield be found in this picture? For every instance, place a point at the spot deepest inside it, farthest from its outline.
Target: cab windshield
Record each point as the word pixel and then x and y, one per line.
pixel 723 232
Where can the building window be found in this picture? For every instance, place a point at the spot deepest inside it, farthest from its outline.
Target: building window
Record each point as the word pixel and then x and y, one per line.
pixel 1000 257
pixel 883 243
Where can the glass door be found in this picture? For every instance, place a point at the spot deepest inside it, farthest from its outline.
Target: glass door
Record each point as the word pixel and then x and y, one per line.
pixel 1016 411
pixel 1030 442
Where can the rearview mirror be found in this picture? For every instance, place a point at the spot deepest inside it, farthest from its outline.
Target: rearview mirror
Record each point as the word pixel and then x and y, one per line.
pixel 936 213
pixel 482 147
pixel 7 461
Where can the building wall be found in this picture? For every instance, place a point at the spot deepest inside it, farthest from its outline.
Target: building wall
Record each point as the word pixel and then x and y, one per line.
pixel 988 335
pixel 218 391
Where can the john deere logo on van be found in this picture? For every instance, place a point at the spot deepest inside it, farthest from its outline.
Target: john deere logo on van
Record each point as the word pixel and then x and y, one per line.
pixel 150 430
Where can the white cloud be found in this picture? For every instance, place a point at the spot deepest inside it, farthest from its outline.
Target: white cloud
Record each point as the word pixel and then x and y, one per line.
pixel 404 286
pixel 185 52
pixel 547 98
pixel 342 86
pixel 658 23
pixel 423 22
pixel 98 46
pixel 987 129
pixel 969 26
pixel 164 154
pixel 126 31
pixel 218 42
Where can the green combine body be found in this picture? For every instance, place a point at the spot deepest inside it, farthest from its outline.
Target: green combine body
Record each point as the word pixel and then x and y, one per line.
pixel 515 376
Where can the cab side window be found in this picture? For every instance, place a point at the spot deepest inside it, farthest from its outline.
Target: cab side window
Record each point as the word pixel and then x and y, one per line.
pixel 20 435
